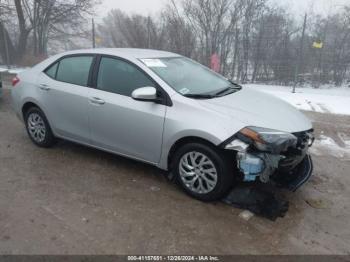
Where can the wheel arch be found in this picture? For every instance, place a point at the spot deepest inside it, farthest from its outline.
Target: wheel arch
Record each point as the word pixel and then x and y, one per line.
pixel 27 105
pixel 183 141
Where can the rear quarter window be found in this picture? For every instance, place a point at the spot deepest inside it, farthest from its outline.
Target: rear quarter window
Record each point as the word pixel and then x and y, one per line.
pixel 51 71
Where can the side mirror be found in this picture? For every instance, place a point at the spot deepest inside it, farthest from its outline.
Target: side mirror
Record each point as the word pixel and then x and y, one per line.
pixel 145 94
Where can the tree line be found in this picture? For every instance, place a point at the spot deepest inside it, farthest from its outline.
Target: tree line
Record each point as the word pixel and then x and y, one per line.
pixel 28 27
pixel 256 42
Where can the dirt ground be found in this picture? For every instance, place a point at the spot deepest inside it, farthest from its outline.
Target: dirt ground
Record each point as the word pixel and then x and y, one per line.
pixel 75 200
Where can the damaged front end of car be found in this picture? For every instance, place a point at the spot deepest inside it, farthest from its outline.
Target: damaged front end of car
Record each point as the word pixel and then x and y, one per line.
pixel 267 155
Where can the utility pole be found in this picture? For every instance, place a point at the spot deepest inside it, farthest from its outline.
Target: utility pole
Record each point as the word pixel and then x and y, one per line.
pixel 321 53
pixel 148 32
pixel 93 34
pixel 300 56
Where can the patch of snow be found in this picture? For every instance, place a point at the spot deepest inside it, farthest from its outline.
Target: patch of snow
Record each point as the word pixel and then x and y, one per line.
pixel 246 215
pixel 327 146
pixel 16 70
pixel 12 70
pixel 327 141
pixel 345 139
pixel 324 100
pixel 154 188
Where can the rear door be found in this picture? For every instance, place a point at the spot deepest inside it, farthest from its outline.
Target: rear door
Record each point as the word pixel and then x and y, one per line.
pixel 63 90
pixel 118 122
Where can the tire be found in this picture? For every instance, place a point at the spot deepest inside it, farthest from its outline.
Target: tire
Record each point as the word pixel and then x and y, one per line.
pixel 206 187
pixel 38 128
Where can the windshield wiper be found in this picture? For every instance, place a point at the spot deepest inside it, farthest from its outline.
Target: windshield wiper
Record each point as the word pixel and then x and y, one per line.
pixel 199 96
pixel 227 89
pixel 238 86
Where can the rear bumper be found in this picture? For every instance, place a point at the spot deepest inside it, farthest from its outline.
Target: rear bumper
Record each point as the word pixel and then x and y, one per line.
pixel 15 104
pixel 294 179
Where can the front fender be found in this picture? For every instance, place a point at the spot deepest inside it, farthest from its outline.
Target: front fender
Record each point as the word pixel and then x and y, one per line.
pixel 170 142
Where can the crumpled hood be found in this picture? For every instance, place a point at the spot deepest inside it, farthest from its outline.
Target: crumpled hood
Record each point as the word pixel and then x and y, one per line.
pixel 254 108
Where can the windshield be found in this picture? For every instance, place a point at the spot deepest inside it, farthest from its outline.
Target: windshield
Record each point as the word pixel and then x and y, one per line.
pixel 190 78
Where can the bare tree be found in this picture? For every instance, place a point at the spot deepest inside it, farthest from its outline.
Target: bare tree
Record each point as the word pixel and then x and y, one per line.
pixel 121 30
pixel 16 48
pixel 179 35
pixel 212 23
pixel 51 17
pixel 39 21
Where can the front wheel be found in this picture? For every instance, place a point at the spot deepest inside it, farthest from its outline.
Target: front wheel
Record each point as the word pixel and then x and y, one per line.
pixel 203 172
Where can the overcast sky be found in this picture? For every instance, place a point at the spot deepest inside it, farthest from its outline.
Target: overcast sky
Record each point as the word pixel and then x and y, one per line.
pixel 152 6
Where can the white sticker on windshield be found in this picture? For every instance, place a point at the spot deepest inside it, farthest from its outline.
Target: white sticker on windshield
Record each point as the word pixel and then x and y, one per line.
pixel 184 91
pixel 153 63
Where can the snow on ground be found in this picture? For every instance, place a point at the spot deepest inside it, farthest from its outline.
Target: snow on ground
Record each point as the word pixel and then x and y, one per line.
pixel 16 70
pixel 327 144
pixel 13 70
pixel 324 100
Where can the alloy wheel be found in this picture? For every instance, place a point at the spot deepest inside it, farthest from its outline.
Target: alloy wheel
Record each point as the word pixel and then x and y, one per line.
pixel 198 172
pixel 36 127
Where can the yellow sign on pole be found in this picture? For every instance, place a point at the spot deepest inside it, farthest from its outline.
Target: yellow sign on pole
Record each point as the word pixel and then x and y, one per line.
pixel 98 40
pixel 317 45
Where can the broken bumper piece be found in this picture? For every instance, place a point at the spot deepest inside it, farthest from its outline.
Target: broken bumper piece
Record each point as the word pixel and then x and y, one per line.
pixel 266 168
pixel 294 179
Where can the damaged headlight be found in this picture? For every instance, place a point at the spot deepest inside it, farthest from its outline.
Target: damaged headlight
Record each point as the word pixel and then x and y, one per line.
pixel 237 145
pixel 266 140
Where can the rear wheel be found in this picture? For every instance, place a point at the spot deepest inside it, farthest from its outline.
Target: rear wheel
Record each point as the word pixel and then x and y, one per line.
pixel 38 128
pixel 202 171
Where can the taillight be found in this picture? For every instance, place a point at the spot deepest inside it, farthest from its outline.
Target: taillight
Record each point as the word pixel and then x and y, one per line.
pixel 15 81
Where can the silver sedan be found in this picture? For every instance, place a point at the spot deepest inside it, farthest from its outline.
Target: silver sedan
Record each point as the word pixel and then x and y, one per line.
pixel 169 111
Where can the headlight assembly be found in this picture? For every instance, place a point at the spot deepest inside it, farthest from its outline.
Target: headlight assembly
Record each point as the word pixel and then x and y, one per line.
pixel 266 140
pixel 237 145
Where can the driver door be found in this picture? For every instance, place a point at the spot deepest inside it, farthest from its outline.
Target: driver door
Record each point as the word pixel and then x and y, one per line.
pixel 119 123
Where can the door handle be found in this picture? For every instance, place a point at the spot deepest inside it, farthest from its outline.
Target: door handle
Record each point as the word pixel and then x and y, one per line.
pixel 44 87
pixel 96 100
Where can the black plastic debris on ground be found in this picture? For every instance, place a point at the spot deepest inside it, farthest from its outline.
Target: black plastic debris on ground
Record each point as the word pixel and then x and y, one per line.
pixel 258 200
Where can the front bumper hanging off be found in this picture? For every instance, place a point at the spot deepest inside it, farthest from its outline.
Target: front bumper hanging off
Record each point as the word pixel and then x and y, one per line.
pixel 294 179
pixel 262 200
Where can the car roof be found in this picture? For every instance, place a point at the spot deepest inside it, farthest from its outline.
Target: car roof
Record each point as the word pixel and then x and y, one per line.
pixel 125 52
